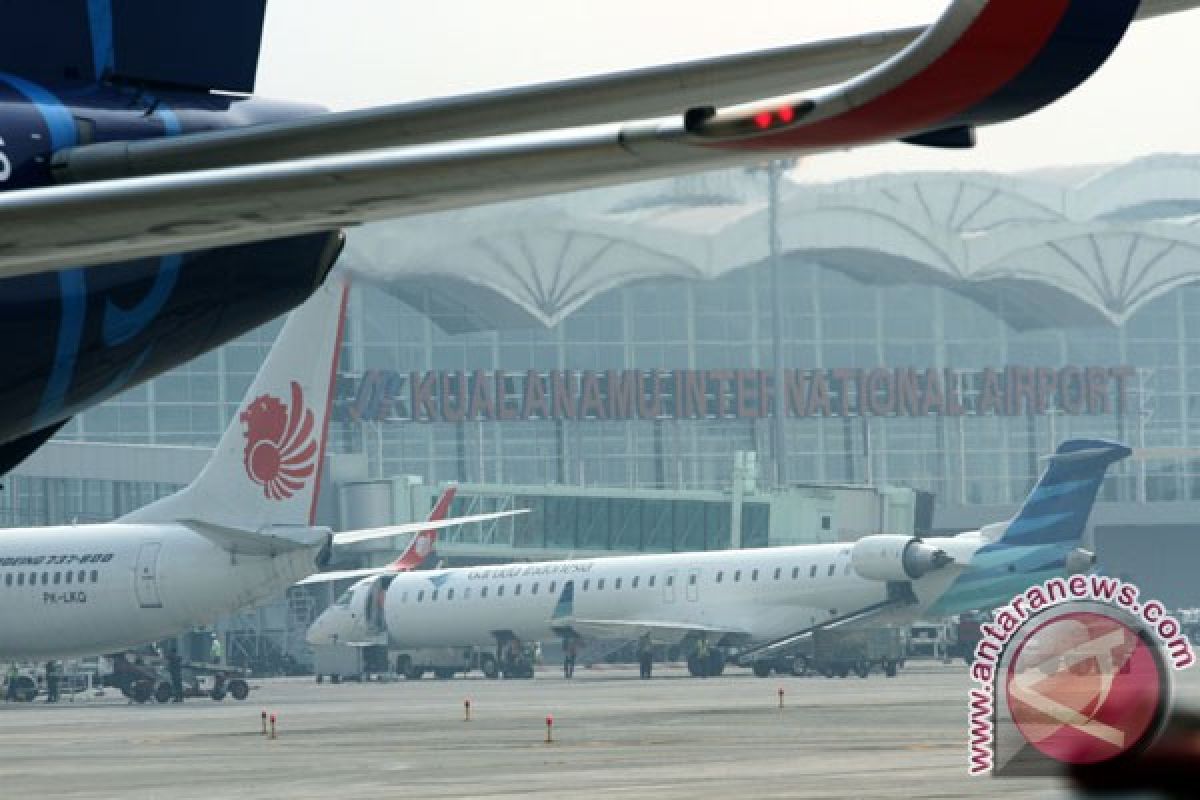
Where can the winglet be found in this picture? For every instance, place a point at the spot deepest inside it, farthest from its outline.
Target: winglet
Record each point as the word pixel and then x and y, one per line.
pixel 565 608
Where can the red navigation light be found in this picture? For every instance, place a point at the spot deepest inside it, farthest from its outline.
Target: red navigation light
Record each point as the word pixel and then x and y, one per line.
pixel 763 120
pixel 787 114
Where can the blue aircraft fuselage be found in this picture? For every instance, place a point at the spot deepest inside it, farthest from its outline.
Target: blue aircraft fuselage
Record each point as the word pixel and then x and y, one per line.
pixel 77 337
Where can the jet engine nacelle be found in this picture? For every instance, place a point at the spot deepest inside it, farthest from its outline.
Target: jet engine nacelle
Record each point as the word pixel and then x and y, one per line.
pixel 893 557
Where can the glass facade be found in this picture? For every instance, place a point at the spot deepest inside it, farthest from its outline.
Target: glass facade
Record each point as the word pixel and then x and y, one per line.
pixel 832 323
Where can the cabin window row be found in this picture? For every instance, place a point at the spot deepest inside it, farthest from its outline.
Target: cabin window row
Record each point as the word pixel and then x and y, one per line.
pixel 617 584
pixel 60 578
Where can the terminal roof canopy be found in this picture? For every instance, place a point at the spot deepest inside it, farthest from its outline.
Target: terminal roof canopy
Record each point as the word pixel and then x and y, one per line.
pixel 1076 247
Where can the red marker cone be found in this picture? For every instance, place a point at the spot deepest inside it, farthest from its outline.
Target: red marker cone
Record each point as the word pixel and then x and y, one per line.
pixel 549 728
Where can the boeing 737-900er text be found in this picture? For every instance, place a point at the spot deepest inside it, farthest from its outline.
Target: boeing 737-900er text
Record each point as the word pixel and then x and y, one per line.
pixel 241 533
pixel 151 209
pixel 767 603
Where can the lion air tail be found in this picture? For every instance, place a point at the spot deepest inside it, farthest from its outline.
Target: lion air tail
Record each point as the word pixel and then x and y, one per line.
pixel 423 543
pixel 266 470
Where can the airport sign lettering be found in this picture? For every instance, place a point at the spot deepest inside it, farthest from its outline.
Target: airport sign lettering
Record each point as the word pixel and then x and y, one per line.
pixel 496 396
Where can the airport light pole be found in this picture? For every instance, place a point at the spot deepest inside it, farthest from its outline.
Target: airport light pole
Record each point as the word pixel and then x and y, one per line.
pixel 775 172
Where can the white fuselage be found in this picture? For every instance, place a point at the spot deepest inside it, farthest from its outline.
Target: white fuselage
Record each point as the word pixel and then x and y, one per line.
pixel 91 589
pixel 761 594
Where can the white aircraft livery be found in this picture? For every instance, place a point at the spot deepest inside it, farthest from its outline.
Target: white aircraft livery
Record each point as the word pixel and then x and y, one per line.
pixel 762 599
pixel 240 534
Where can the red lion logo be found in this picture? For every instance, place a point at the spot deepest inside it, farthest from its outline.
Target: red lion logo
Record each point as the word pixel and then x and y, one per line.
pixel 280 451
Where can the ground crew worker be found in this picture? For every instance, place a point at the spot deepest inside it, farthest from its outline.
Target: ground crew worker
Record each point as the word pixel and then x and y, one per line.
pixel 702 657
pixel 175 669
pixel 645 656
pixel 13 674
pixel 570 652
pixel 217 651
pixel 51 682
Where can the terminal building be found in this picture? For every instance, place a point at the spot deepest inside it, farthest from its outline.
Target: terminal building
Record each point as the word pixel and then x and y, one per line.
pixel 734 359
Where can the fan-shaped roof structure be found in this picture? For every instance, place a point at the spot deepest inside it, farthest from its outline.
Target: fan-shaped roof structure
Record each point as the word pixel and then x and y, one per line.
pixel 1078 247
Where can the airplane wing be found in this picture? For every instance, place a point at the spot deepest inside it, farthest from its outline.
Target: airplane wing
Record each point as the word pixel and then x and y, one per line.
pixel 983 61
pixel 660 631
pixel 344 574
pixel 367 534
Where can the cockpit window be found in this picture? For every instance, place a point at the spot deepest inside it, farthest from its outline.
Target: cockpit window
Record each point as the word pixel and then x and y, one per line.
pixel 344 600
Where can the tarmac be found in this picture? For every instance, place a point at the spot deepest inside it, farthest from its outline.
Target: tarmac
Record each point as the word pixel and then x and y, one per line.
pixel 613 736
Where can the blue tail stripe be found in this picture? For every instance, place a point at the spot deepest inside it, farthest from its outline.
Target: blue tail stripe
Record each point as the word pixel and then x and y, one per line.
pixel 1043 493
pixel 1058 508
pixel 1024 526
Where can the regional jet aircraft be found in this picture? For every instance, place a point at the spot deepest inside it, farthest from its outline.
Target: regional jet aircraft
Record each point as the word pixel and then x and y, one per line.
pixel 128 139
pixel 767 602
pixel 241 533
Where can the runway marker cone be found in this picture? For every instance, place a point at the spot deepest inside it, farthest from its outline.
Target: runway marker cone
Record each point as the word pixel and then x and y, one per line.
pixel 467 710
pixel 272 725
pixel 264 722
pixel 549 728
pixel 781 698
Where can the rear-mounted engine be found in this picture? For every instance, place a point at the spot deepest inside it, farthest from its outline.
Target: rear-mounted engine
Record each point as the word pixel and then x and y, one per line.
pixel 892 557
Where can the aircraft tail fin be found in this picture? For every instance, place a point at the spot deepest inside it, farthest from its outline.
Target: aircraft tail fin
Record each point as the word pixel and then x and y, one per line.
pixel 193 44
pixel 421 547
pixel 266 469
pixel 1057 509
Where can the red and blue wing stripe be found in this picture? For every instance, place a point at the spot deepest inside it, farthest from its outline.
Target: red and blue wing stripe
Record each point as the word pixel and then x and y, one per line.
pixel 977 65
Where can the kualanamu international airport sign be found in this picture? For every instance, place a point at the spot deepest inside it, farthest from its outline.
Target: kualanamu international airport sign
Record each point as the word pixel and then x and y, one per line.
pixel 736 393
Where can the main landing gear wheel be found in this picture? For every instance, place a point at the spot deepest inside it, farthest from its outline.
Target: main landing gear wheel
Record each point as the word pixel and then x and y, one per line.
pixel 488 666
pixel 716 663
pixel 762 669
pixel 862 669
pixel 239 689
pixel 163 693
pixel 143 690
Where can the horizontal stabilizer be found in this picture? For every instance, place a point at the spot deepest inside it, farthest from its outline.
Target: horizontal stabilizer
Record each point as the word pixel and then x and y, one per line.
pixel 271 542
pixel 368 534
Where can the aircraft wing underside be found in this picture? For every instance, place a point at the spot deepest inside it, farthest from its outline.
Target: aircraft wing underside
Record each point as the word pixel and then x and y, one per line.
pixel 661 631
pixel 983 61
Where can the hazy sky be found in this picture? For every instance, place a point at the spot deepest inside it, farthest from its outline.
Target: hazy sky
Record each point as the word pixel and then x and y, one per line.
pixel 354 53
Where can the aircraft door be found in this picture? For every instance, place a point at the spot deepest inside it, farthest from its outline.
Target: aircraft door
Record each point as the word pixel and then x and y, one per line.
pixel 693 585
pixel 375 596
pixel 146 576
pixel 669 585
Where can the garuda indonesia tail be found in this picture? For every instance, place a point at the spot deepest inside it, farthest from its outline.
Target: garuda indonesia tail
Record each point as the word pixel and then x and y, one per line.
pixel 1043 540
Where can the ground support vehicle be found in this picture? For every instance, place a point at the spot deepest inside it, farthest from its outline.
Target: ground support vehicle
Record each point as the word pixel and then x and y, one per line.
pixel 839 653
pixel 148 678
